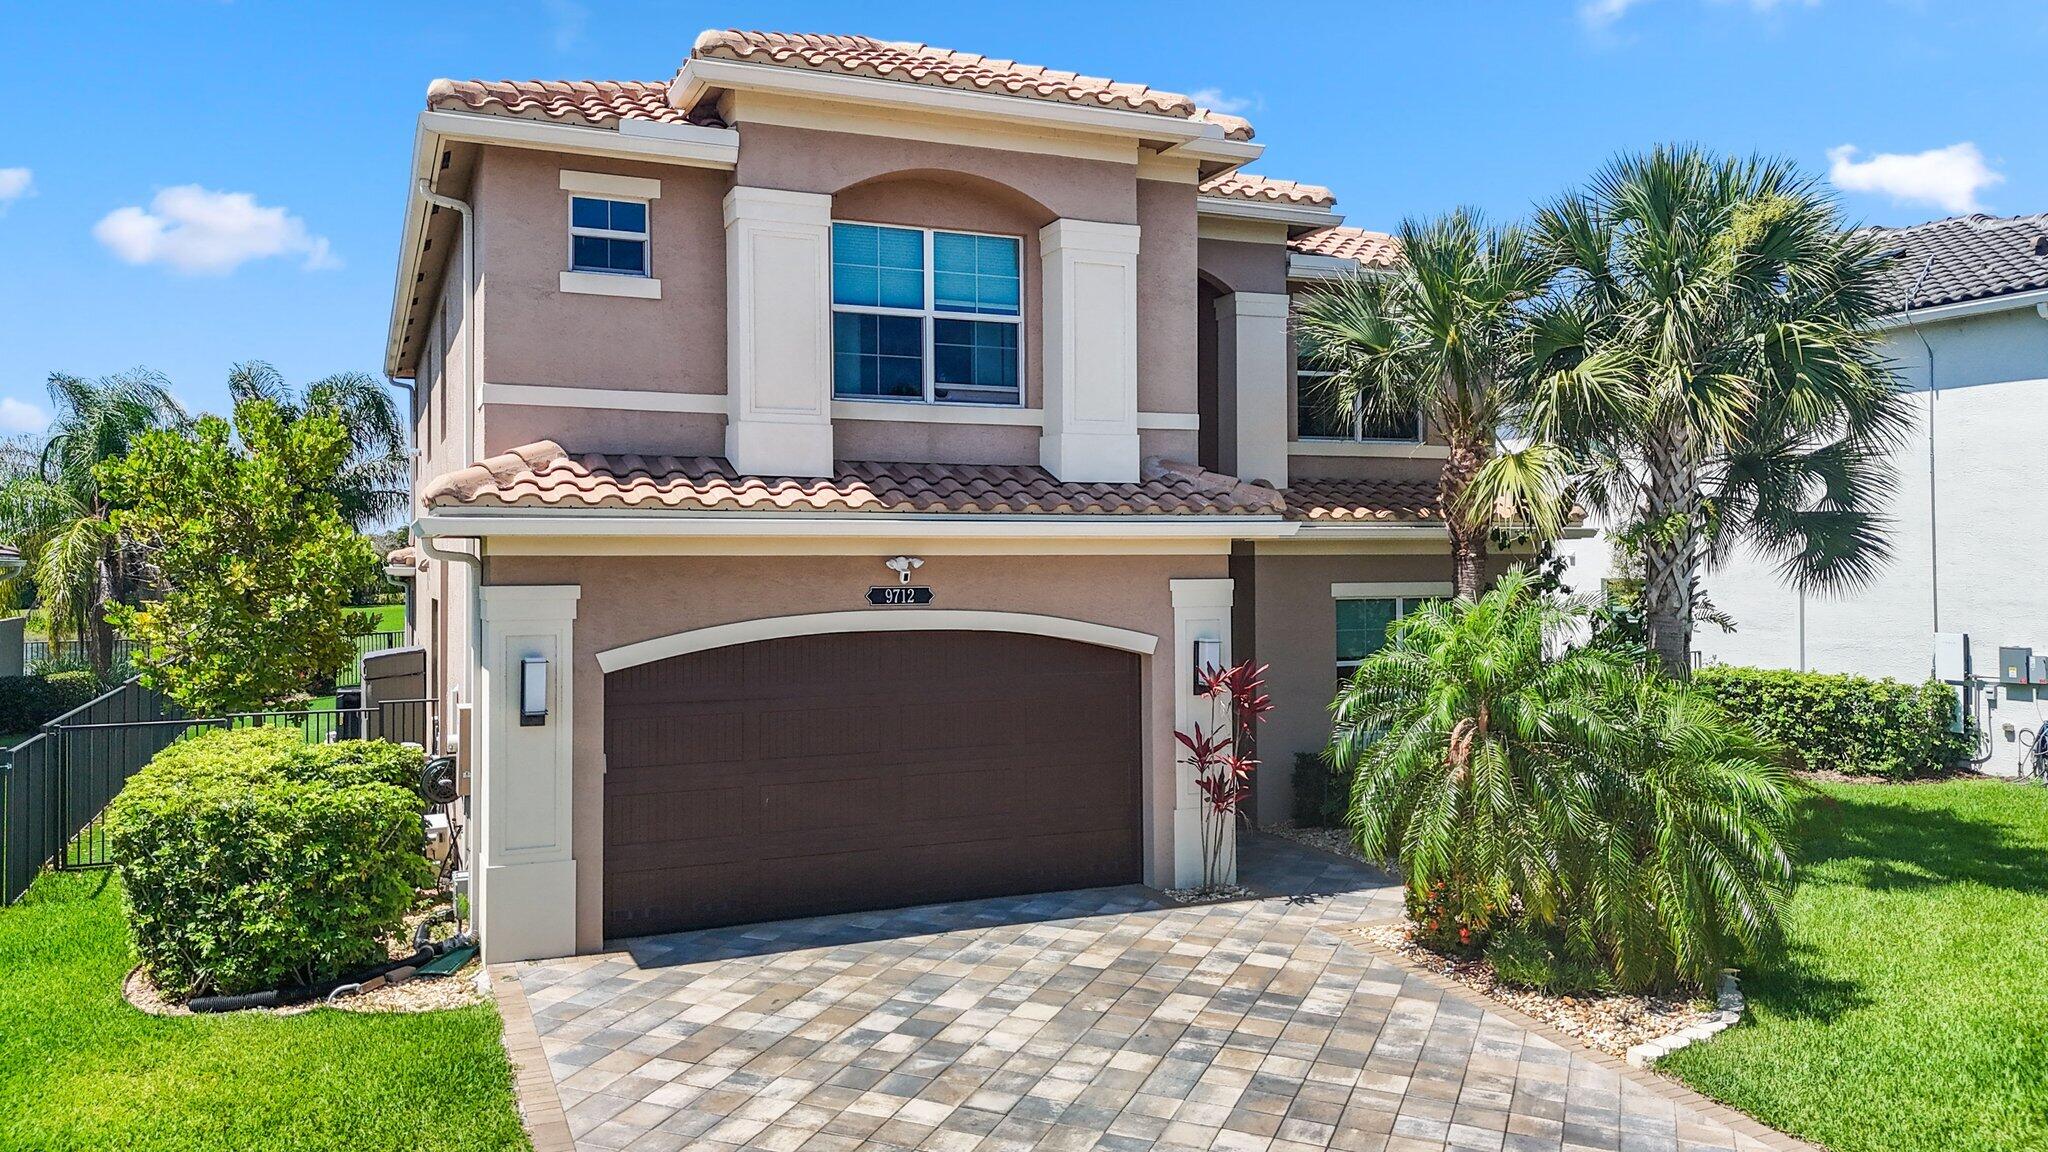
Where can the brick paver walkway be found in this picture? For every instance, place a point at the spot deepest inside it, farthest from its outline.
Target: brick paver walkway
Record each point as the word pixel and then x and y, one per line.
pixel 1101 1019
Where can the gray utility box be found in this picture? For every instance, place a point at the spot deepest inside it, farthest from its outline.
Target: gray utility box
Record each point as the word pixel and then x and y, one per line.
pixel 2015 665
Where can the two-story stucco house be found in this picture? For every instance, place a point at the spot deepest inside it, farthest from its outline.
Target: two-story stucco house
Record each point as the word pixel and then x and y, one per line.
pixel 834 462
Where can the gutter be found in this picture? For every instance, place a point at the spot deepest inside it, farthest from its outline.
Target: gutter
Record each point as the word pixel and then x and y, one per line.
pixel 469 317
pixel 550 522
pixel 1912 317
pixel 1267 211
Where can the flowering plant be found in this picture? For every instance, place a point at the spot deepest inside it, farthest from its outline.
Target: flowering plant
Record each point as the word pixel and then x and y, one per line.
pixel 1217 753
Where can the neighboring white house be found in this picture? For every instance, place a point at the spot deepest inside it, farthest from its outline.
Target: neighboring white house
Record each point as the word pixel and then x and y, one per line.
pixel 1969 523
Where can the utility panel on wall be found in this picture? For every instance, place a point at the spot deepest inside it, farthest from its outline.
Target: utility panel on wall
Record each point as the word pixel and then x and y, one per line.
pixel 2015 665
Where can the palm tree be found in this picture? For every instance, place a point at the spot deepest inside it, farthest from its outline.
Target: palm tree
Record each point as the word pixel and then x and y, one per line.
pixel 1452 734
pixel 1439 334
pixel 373 484
pixel 51 508
pixel 1706 369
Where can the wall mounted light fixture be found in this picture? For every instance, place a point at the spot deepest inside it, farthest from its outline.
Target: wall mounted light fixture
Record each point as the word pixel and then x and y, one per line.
pixel 1208 654
pixel 533 691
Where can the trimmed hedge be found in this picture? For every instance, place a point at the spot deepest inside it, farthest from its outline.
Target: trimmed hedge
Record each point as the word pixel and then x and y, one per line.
pixel 29 702
pixel 1841 723
pixel 252 860
pixel 1321 794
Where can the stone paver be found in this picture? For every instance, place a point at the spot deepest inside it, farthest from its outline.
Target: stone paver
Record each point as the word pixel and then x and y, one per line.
pixel 1103 1019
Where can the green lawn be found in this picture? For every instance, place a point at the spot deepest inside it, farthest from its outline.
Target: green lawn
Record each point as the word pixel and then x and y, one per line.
pixel 388 617
pixel 80 1069
pixel 1911 1013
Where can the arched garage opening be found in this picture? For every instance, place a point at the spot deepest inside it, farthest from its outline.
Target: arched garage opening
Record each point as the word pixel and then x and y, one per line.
pixel 812 766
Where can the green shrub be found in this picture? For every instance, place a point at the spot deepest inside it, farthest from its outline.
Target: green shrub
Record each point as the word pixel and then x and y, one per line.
pixel 1525 958
pixel 1322 794
pixel 1841 723
pixel 29 702
pixel 253 861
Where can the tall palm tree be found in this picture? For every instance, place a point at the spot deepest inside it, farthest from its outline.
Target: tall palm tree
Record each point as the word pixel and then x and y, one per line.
pixel 1706 369
pixel 1440 333
pixel 373 484
pixel 52 510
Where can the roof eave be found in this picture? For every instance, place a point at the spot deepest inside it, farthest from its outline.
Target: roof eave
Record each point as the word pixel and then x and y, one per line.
pixel 701 76
pixel 2033 298
pixel 540 522
pixel 1296 216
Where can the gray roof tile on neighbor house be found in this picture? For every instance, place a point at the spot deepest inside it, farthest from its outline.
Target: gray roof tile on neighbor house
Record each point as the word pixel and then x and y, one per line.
pixel 1975 257
pixel 543 475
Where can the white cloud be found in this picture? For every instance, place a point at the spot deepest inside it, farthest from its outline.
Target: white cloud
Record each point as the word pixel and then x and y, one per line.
pixel 15 183
pixel 196 230
pixel 1948 178
pixel 19 416
pixel 1600 14
pixel 566 20
pixel 1217 100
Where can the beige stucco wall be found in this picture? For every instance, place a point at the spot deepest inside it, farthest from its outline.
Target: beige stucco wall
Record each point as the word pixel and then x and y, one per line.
pixel 1244 265
pixel 1293 628
pixel 630 599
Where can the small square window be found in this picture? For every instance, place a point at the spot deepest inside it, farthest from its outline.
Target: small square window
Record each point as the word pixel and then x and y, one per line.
pixel 607 236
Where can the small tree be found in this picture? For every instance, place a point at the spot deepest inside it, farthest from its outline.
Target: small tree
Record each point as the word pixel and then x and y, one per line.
pixel 241 529
pixel 1222 772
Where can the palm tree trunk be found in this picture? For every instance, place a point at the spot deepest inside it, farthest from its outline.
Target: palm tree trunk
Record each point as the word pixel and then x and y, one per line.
pixel 1467 529
pixel 1670 549
pixel 99 644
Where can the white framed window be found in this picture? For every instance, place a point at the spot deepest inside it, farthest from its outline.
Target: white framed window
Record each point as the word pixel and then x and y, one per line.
pixel 608 236
pixel 927 315
pixel 1315 420
pixel 1365 612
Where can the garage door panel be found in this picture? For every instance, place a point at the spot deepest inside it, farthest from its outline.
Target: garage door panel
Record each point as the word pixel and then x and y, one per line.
pixel 833 773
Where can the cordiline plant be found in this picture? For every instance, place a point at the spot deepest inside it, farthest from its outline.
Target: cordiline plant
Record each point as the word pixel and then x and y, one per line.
pixel 1237 702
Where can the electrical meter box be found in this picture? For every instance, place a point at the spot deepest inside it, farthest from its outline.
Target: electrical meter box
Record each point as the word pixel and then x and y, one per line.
pixel 2015 665
pixel 2039 673
pixel 1952 656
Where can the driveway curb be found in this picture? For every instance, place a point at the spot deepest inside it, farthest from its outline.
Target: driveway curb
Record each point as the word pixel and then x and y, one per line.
pixel 540 1107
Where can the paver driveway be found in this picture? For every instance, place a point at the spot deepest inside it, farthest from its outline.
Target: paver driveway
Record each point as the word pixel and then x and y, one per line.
pixel 1080 1020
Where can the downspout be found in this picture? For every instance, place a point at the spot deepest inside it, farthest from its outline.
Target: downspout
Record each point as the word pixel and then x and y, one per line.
pixel 1933 390
pixel 468 453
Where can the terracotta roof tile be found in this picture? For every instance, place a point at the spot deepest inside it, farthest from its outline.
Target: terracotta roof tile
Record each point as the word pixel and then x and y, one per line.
pixel 1371 249
pixel 942 67
pixel 592 103
pixel 542 475
pixel 1245 186
pixel 406 557
pixel 1362 501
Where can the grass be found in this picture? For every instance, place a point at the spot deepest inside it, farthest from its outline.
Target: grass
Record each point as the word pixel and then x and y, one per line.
pixel 388 617
pixel 1907 1015
pixel 80 1069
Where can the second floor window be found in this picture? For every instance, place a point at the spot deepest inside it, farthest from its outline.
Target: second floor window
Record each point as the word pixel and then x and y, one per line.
pixel 1320 419
pixel 608 236
pixel 926 315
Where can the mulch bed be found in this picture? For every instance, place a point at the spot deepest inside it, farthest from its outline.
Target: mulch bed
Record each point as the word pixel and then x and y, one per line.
pixel 1612 1022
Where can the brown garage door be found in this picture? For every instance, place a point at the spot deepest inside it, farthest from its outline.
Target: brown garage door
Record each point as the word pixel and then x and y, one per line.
pixel 823 774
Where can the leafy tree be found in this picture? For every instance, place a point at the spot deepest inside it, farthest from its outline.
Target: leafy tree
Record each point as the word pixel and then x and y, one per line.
pixel 1440 333
pixel 53 508
pixel 242 528
pixel 1705 367
pixel 372 485
pixel 1517 780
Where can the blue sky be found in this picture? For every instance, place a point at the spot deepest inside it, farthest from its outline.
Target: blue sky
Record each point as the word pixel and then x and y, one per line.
pixel 187 184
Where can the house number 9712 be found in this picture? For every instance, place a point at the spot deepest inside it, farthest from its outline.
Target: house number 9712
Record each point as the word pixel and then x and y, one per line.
pixel 892 595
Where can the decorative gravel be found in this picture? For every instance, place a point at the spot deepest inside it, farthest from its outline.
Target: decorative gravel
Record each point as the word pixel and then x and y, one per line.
pixel 431 994
pixel 1613 1022
pixel 1333 840
pixel 1216 895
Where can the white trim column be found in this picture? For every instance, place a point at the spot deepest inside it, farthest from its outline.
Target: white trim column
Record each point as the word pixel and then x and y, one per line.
pixel 1251 363
pixel 778 332
pixel 1091 351
pixel 525 899
pixel 1201 611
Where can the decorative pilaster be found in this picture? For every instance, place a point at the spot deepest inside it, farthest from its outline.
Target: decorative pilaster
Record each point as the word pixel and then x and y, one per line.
pixel 778 332
pixel 1252 369
pixel 1091 351
pixel 1201 611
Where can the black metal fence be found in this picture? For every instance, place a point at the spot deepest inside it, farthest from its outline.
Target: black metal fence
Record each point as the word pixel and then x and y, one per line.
pixel 36 653
pixel 352 676
pixel 55 789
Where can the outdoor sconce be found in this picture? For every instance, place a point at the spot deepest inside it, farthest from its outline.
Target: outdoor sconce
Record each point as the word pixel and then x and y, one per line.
pixel 1208 654
pixel 533 691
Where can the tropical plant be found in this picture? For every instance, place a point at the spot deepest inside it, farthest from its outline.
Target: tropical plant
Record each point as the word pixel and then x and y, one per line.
pixel 53 510
pixel 243 533
pixel 1223 773
pixel 1518 781
pixel 372 483
pixel 1452 734
pixel 1706 374
pixel 1440 333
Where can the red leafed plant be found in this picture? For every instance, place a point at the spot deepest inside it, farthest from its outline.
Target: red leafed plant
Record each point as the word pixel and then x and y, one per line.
pixel 1237 702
